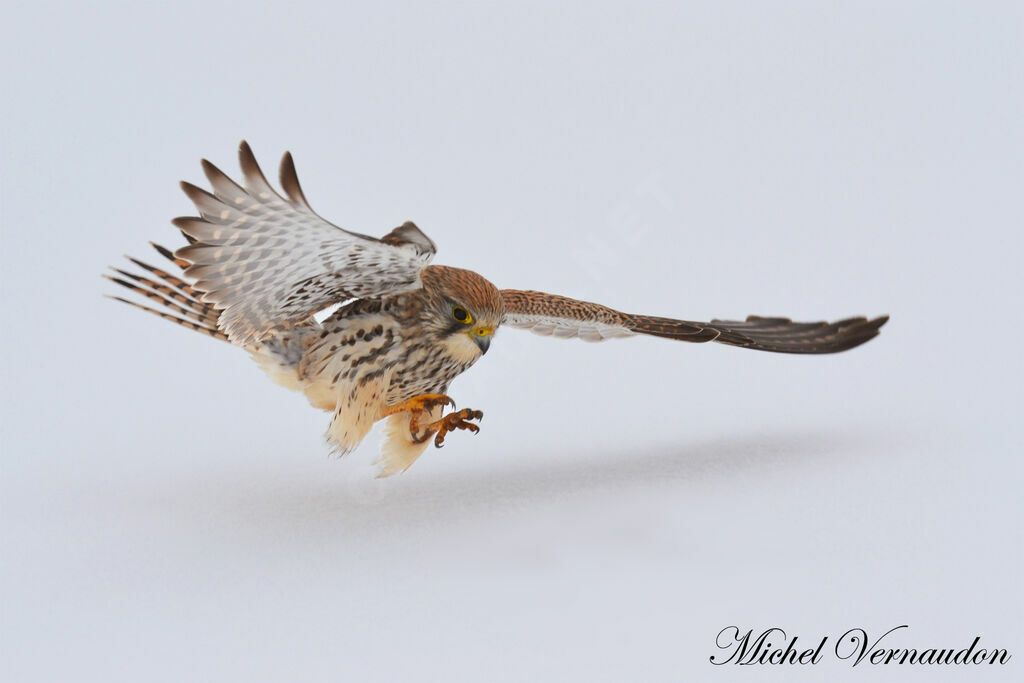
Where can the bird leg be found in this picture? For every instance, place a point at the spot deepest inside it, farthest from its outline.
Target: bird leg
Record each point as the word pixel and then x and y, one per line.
pixel 448 423
pixel 422 403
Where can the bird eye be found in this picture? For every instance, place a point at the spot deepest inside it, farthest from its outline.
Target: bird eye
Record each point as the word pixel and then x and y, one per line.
pixel 462 315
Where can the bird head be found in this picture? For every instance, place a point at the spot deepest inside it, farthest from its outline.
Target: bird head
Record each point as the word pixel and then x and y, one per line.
pixel 463 309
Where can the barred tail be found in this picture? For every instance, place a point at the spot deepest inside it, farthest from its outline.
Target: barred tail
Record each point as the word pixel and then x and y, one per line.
pixel 171 292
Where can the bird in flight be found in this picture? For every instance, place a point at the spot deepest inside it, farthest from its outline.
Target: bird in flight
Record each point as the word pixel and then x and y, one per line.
pixel 259 266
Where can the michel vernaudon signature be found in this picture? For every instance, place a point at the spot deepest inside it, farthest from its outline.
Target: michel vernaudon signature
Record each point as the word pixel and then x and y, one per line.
pixel 775 646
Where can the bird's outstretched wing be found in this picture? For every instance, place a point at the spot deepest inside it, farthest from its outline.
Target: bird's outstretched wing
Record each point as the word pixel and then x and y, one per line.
pixel 268 262
pixel 559 316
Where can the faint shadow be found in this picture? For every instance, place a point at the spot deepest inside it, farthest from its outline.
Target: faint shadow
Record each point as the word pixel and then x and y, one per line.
pixel 361 506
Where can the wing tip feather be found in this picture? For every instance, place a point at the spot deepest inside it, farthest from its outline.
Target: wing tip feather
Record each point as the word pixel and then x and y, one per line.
pixel 289 179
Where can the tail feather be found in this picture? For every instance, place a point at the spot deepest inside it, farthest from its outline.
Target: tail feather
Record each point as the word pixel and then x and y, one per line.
pixel 190 310
pixel 215 333
pixel 180 297
pixel 167 277
pixel 202 310
pixel 166 253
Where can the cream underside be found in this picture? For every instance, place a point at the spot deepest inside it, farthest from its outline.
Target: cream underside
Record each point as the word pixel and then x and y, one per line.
pixel 398 451
pixel 352 421
pixel 356 412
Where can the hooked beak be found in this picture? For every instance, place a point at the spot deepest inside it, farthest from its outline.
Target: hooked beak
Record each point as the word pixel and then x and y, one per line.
pixel 482 337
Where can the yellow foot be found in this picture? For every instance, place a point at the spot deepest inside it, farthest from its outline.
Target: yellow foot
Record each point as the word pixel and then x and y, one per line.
pixel 448 423
pixel 423 402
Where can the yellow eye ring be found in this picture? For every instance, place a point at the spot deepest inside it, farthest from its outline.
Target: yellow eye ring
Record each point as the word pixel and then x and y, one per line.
pixel 462 315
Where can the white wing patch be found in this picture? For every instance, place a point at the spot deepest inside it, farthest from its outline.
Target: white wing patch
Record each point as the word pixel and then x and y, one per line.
pixel 566 328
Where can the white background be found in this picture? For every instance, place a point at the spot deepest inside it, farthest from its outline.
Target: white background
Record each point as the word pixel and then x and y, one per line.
pixel 167 514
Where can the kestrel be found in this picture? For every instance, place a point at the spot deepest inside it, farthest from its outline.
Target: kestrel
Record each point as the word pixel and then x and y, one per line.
pixel 258 267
